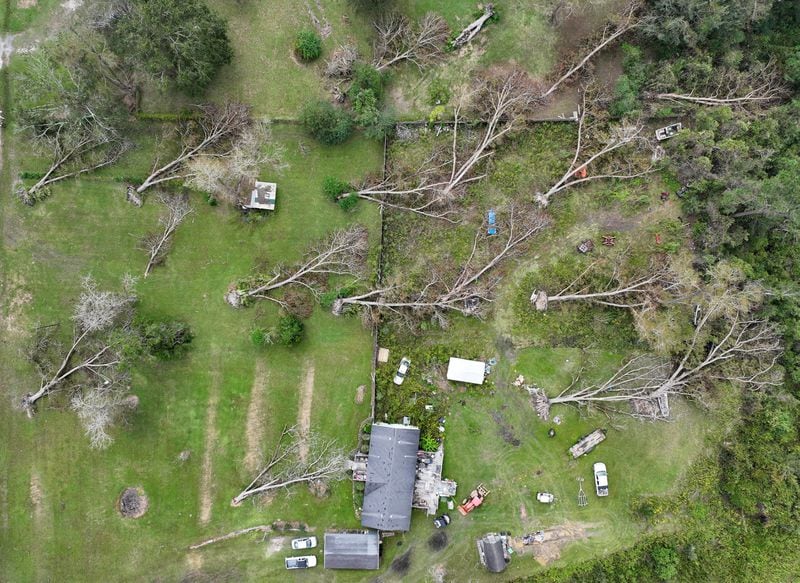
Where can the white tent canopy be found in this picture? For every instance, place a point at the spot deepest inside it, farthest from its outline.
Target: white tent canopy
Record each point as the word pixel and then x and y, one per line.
pixel 466 371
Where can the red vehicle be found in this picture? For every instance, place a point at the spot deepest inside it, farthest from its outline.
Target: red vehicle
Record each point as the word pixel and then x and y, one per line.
pixel 474 500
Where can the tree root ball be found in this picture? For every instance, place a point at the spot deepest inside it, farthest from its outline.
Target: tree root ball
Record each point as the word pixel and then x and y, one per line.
pixel 132 503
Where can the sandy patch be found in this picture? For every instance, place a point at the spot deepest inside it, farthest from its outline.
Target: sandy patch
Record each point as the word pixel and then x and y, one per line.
pixel 438 573
pixel 523 512
pixel 23 4
pixel 304 410
pixel 254 432
pixel 71 5
pixel 18 298
pixel 360 394
pixel 206 475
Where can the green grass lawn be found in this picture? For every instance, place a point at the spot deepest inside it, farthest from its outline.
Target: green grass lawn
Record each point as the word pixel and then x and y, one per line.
pixel 53 486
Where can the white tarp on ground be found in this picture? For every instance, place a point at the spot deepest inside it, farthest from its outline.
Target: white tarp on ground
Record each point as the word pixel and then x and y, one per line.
pixel 466 371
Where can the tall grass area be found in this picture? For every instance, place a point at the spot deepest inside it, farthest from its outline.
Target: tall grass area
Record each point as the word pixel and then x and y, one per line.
pixel 57 497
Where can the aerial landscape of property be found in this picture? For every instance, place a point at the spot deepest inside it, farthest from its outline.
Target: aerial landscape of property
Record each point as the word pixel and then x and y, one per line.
pixel 400 290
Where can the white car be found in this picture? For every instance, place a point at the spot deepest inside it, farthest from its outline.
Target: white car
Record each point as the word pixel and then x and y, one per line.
pixel 301 562
pixel 402 371
pixel 308 542
pixel 600 479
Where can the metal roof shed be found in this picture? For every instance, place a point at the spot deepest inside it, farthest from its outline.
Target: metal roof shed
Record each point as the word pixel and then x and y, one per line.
pixel 466 371
pixel 352 550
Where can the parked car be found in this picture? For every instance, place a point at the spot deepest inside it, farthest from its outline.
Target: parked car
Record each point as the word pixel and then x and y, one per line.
pixel 545 497
pixel 301 562
pixel 441 521
pixel 600 479
pixel 402 371
pixel 308 542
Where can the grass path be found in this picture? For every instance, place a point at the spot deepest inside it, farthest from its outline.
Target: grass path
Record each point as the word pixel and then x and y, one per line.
pixel 304 409
pixel 212 435
pixel 254 430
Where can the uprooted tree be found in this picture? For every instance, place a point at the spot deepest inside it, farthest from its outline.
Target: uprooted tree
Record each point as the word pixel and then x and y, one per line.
pixel 231 175
pixel 342 253
pixel 619 152
pixel 466 290
pixel 297 458
pixel 70 114
pixel 399 40
pixel 213 133
pixel 93 367
pixel 614 284
pixel 729 343
pixel 499 99
pixel 158 244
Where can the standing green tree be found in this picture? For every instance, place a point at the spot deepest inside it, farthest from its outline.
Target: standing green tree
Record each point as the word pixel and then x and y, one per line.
pixel 181 41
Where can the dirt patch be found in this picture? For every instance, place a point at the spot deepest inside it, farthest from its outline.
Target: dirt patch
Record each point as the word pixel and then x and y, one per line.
pixel 132 503
pixel 194 561
pixel 506 431
pixel 206 474
pixel 523 512
pixel 37 496
pixel 555 539
pixel 23 4
pixel 254 432
pixel 438 573
pixel 438 541
pixel 360 394
pixel 276 545
pixel 304 410
pixel 402 564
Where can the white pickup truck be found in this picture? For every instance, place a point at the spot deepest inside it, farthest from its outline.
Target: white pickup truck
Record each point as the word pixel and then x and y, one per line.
pixel 600 479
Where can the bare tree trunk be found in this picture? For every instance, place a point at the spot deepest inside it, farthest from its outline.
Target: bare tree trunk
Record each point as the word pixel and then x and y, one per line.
pixel 471 31
pixel 261 528
pixel 629 21
pixel 157 245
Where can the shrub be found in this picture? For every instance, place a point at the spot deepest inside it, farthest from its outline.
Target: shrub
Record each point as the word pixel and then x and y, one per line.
pixel 332 187
pixel 428 443
pixel 792 68
pixel 290 330
pixel 308 45
pixel 348 202
pixel 164 339
pixel 367 78
pixel 438 93
pixel 326 123
pixel 262 336
pixel 666 562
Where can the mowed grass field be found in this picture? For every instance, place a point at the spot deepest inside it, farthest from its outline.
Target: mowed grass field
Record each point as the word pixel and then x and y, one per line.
pixel 57 497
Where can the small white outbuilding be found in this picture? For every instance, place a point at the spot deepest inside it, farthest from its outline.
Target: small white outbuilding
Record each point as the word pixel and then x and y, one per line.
pixel 461 370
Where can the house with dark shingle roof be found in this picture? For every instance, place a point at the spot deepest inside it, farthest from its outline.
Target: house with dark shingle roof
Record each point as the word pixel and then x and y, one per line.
pixel 352 550
pixel 391 470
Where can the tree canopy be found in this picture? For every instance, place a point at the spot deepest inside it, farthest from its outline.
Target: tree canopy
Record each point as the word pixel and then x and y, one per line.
pixel 182 41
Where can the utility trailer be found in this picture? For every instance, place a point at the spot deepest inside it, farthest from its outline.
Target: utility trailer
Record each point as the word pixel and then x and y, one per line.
pixel 587 443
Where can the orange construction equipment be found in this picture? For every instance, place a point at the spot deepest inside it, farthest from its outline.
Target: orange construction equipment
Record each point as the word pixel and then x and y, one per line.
pixel 474 500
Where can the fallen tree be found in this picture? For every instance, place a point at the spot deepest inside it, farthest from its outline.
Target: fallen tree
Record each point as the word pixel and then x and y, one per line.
pixel 325 462
pixel 469 289
pixel 342 253
pixel 583 168
pixel 472 29
pixel 213 132
pixel 728 345
pixel 621 290
pixel 157 245
pixel 398 40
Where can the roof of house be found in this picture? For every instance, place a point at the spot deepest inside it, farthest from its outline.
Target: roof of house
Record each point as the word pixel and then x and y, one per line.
pixel 263 196
pixel 466 371
pixel 492 556
pixel 391 468
pixel 352 550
